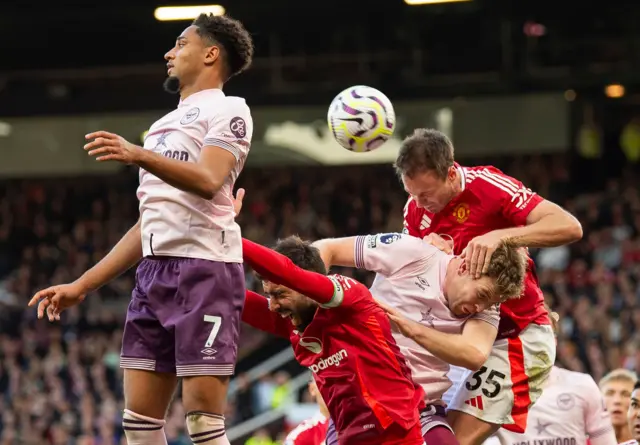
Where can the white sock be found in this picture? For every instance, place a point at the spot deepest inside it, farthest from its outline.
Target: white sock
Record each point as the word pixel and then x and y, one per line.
pixel 143 430
pixel 206 428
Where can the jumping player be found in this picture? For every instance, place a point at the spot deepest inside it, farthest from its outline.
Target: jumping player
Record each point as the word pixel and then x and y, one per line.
pixel 339 332
pixel 574 399
pixel 616 388
pixel 443 314
pixel 184 315
pixel 480 207
pixel 312 431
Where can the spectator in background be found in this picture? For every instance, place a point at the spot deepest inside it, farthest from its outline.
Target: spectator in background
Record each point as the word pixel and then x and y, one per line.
pixel 616 388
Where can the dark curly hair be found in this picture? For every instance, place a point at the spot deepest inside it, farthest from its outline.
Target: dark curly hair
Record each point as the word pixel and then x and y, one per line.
pixel 231 35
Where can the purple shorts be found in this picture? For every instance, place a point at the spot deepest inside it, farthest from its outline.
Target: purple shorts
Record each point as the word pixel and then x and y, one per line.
pixel 184 317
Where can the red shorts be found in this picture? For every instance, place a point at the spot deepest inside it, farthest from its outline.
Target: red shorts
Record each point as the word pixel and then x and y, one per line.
pixel 395 435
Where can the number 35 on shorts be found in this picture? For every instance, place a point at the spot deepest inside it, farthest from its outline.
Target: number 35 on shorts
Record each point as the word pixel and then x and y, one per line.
pixel 490 380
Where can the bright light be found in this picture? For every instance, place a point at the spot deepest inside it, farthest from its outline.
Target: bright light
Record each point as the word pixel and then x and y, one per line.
pixel 167 13
pixel 570 95
pixel 431 2
pixel 614 91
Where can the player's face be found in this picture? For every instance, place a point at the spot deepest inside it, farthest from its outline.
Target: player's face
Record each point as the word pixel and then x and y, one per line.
pixel 429 191
pixel 633 415
pixel 289 303
pixel 617 396
pixel 189 55
pixel 466 295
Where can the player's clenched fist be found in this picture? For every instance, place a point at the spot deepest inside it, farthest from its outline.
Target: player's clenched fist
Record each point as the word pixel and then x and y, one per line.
pixel 478 253
pixel 111 147
pixel 56 299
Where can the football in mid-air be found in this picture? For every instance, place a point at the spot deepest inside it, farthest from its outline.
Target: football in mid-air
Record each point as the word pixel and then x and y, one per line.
pixel 361 118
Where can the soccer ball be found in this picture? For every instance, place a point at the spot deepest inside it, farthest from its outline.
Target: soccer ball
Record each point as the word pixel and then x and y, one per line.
pixel 361 118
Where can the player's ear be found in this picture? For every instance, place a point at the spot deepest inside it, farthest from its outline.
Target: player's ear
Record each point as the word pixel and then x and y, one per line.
pixel 451 174
pixel 212 54
pixel 462 268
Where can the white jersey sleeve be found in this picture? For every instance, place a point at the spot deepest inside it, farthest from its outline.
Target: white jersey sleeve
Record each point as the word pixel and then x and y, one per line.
pixel 388 253
pixel 231 128
pixel 597 420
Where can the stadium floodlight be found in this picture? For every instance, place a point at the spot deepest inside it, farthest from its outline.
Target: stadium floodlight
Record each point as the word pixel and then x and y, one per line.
pixel 431 2
pixel 169 13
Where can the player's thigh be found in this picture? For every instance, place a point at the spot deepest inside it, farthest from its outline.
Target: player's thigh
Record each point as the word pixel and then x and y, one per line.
pixel 207 334
pixel 504 388
pixel 470 430
pixel 147 392
pixel 146 344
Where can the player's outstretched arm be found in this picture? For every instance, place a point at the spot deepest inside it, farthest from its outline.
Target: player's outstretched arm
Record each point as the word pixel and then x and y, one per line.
pixel 337 251
pixel 470 349
pixel 279 269
pixel 125 254
pixel 203 178
pixel 256 314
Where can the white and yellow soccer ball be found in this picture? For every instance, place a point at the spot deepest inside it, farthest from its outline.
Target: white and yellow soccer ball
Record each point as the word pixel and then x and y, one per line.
pixel 361 118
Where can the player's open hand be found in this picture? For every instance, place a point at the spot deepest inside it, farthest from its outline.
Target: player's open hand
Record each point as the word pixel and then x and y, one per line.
pixel 237 201
pixel 56 299
pixel 107 146
pixel 478 253
pixel 399 322
pixel 446 245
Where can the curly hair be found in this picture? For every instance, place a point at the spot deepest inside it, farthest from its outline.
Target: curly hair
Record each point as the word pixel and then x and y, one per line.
pixel 508 267
pixel 232 36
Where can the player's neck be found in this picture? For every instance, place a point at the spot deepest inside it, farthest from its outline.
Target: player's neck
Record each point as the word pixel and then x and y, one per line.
pixel 457 184
pixel 623 434
pixel 200 85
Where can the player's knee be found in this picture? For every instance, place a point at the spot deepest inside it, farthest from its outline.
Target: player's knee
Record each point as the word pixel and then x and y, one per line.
pixel 206 428
pixel 205 393
pixel 143 430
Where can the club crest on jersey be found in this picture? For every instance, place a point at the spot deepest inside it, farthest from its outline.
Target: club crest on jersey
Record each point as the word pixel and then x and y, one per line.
pixel 390 238
pixel 313 344
pixel 461 212
pixel 190 116
pixel 565 401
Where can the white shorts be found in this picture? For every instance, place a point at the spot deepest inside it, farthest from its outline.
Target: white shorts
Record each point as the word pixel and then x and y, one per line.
pixel 502 391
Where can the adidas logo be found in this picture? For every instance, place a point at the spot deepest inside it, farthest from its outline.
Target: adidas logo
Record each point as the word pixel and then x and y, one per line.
pixel 476 402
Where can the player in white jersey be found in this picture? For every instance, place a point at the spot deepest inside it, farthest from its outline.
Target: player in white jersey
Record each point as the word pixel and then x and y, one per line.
pixel 443 315
pixel 617 387
pixel 184 315
pixel 570 410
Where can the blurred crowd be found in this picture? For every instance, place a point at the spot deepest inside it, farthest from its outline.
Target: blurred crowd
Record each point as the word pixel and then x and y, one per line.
pixel 60 383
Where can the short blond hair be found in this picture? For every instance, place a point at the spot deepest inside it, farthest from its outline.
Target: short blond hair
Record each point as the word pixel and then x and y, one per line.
pixel 508 267
pixel 618 375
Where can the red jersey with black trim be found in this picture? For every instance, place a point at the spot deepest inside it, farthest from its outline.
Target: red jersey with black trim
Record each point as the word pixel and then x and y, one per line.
pixel 310 432
pixel 490 200
pixel 348 345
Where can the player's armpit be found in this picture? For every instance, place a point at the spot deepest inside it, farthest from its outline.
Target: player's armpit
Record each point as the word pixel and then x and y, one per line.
pixel 337 251
pixel 279 269
pixel 256 314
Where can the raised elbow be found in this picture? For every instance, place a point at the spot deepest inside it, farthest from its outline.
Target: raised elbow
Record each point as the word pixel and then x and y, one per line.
pixel 573 231
pixel 474 359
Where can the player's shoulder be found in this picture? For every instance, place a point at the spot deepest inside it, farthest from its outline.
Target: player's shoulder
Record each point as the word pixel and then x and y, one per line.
pixel 488 177
pixel 227 106
pixel 579 381
pixel 629 442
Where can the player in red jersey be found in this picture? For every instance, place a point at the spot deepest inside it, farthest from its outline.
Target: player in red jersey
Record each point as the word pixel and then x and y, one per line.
pixel 314 430
pixel 479 207
pixel 339 332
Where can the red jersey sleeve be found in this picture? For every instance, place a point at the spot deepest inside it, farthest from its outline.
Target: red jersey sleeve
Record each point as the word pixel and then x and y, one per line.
pixel 279 269
pixel 511 197
pixel 411 218
pixel 256 314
